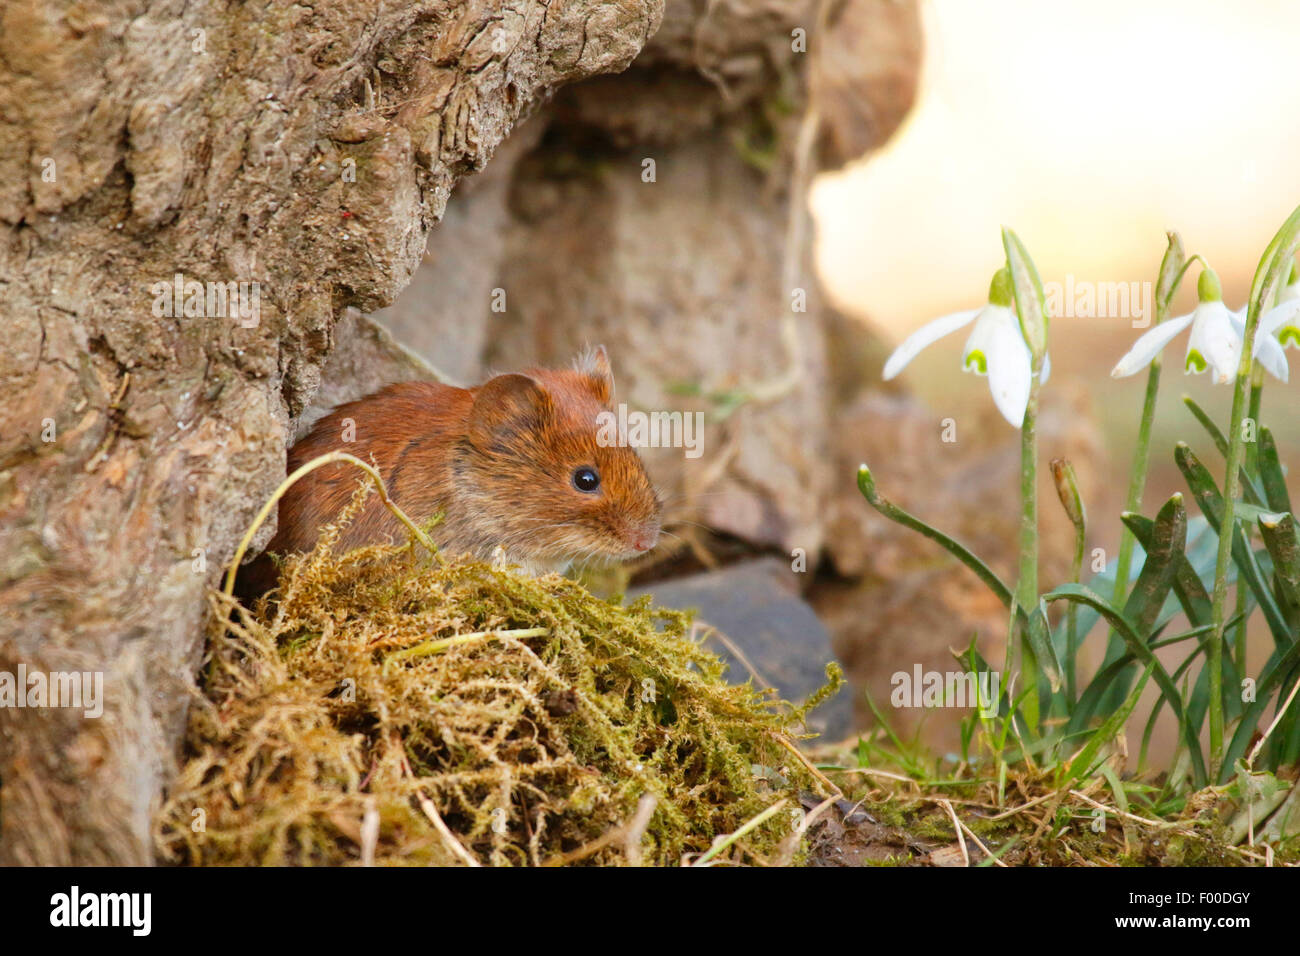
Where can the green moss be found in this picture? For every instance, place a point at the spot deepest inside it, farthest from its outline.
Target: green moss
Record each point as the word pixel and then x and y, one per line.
pixel 533 741
pixel 888 812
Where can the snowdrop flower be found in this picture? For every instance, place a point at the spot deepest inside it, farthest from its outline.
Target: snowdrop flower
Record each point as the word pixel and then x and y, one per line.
pixel 1283 320
pixel 1268 351
pixel 996 348
pixel 1215 342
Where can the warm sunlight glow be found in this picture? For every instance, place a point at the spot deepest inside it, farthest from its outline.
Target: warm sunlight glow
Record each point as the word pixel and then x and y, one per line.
pixel 1098 127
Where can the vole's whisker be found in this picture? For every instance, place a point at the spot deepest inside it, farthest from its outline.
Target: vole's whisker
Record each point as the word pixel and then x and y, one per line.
pixel 676 522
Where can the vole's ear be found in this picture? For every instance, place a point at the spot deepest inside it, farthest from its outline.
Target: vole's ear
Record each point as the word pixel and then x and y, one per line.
pixel 594 363
pixel 506 406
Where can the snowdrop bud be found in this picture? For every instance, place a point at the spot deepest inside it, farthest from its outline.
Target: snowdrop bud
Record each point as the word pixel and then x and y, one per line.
pixel 1067 489
pixel 1208 288
pixel 1001 291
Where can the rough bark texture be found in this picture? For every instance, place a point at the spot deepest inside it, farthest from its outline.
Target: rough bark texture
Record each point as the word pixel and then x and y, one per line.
pixel 306 148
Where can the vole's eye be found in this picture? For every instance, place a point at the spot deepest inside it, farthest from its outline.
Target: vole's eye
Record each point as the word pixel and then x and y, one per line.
pixel 586 478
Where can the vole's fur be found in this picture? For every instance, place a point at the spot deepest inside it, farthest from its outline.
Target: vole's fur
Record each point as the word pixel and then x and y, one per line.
pixel 497 460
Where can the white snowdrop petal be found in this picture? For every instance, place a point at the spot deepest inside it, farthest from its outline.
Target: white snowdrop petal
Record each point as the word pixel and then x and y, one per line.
pixel 1217 339
pixel 1010 369
pixel 994 322
pixel 1149 344
pixel 924 337
pixel 1272 356
pixel 1274 319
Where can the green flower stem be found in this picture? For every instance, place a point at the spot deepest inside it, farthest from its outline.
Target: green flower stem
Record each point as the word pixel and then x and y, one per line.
pixel 1252 467
pixel 1137 480
pixel 1027 586
pixel 1173 267
pixel 1036 645
pixel 1232 488
pixel 1256 401
pixel 1072 623
pixel 1263 287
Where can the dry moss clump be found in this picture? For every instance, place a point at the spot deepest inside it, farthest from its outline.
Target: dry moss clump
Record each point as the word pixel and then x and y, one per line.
pixel 403 711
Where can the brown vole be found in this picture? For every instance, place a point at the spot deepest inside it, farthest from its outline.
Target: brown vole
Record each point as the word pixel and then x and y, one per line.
pixel 514 462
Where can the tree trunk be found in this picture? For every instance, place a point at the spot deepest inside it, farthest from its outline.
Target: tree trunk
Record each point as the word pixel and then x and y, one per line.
pixel 301 153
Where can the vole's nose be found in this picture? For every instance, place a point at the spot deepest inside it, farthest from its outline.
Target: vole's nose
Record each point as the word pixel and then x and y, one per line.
pixel 645 537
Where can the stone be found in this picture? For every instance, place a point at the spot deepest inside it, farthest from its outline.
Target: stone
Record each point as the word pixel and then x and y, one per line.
pixel 768 633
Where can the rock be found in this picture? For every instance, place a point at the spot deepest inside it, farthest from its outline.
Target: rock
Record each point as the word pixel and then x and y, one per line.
pixel 770 633
pixel 680 280
pixel 897 600
pixel 365 359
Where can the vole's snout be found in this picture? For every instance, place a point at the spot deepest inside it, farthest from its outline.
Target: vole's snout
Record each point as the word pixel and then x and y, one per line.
pixel 644 537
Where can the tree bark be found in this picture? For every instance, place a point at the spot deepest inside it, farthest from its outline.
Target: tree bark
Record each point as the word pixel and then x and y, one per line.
pixel 306 149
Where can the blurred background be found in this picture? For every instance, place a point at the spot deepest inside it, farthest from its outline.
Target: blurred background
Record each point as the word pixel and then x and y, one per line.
pixel 863 154
pixel 1091 128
